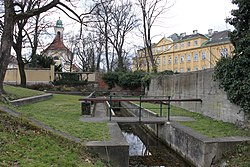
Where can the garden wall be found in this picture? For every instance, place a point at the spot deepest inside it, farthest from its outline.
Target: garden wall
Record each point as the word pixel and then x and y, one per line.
pixel 199 84
pixel 33 76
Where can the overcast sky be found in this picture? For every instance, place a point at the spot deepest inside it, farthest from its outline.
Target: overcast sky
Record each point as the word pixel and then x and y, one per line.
pixel 201 15
pixel 183 16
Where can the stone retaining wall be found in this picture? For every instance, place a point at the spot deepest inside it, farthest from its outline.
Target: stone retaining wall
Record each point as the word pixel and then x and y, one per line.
pixel 199 84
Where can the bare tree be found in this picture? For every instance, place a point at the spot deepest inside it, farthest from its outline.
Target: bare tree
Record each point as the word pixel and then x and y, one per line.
pixel 13 14
pixel 151 10
pixel 102 15
pixel 123 20
pixel 89 50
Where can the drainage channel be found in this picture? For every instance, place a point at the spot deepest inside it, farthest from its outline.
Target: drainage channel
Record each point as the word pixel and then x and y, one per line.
pixel 145 149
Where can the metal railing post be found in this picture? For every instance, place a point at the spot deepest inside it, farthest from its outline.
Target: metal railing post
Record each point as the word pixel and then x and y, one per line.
pixel 140 110
pixel 168 108
pixel 161 109
pixel 110 107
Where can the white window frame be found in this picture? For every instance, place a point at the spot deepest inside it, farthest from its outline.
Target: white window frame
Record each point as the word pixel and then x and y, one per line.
pixel 196 56
pixel 176 60
pixel 195 42
pixel 204 55
pixel 189 58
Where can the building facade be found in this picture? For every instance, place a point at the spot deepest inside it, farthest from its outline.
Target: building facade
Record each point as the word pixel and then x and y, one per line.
pixel 60 53
pixel 186 53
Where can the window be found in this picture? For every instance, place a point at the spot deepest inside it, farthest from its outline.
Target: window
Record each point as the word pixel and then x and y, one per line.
pixel 175 46
pixel 203 67
pixel 182 58
pixel 158 61
pixel 163 48
pixel 163 60
pixel 175 59
pixel 195 42
pixel 188 44
pixel 195 68
pixel 176 70
pixel 224 52
pixel 203 55
pixel 196 57
pixel 169 47
pixel 169 60
pixel 182 45
pixel 158 49
pixel 188 58
pixel 188 69
pixel 182 70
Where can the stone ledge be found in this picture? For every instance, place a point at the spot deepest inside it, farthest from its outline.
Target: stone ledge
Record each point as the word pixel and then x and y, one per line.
pixel 29 100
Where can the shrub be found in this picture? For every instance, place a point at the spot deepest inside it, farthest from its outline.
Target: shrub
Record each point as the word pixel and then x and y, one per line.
pixel 110 78
pixel 126 80
pixel 233 75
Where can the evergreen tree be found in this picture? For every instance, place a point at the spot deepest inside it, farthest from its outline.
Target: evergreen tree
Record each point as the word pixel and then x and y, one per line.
pixel 233 74
pixel 240 37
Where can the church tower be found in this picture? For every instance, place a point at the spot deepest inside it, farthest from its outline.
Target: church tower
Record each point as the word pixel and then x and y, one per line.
pixel 59 28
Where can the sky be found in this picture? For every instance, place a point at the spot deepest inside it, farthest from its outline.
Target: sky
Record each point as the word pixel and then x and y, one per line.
pixel 201 15
pixel 182 16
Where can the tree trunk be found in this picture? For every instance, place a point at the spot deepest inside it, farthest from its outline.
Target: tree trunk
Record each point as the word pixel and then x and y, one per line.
pixel 6 40
pixel 18 49
pixel 106 46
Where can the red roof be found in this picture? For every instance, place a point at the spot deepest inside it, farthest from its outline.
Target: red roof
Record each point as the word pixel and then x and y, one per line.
pixel 57 44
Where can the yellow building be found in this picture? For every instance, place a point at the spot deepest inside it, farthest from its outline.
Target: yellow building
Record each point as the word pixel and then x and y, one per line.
pixel 185 53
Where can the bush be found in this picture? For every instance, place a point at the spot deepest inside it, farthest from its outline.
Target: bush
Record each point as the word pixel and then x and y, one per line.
pixel 70 79
pixel 126 80
pixel 131 80
pixel 110 78
pixel 233 75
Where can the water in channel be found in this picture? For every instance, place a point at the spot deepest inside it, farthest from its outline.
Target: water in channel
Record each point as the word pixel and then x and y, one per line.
pixel 145 150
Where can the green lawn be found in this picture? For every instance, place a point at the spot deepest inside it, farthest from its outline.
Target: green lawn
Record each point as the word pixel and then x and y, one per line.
pixel 202 124
pixel 24 145
pixel 62 112
pixel 14 92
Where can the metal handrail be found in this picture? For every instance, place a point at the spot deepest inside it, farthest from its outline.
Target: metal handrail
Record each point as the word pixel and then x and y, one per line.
pixel 161 101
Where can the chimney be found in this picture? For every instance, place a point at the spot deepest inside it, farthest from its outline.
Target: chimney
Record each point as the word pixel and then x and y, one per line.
pixel 183 34
pixel 195 31
pixel 210 32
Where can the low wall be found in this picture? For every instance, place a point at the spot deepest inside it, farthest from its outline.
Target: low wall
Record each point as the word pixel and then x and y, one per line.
pixel 194 147
pixel 200 150
pixel 33 76
pixel 32 99
pixel 199 84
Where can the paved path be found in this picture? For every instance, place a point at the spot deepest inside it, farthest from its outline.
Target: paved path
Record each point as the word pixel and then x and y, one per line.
pixel 101 116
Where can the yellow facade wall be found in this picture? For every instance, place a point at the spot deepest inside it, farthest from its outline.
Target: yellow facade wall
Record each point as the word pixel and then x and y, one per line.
pixel 32 76
pixel 183 56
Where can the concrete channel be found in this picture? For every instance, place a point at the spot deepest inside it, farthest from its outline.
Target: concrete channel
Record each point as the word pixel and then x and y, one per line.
pixel 199 150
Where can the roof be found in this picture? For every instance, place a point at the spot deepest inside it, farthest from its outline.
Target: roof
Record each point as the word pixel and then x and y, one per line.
pixel 174 37
pixel 191 36
pixel 218 37
pixel 59 23
pixel 57 44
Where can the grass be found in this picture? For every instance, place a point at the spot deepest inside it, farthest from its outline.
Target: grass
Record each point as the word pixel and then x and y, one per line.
pixel 202 124
pixel 14 93
pixel 22 144
pixel 62 112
